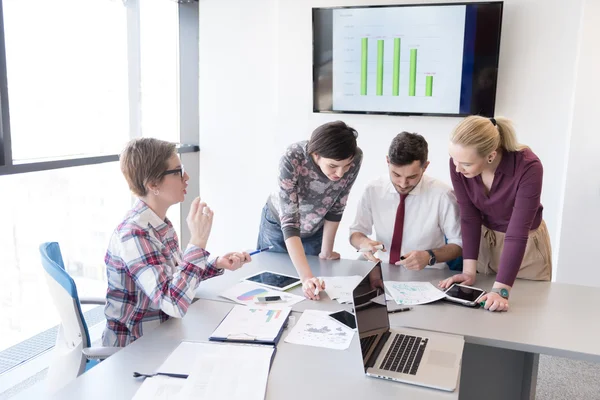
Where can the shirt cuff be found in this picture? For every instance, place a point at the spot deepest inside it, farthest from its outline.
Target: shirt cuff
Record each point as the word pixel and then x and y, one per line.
pixel 457 242
pixel 212 264
pixel 333 217
pixel 290 231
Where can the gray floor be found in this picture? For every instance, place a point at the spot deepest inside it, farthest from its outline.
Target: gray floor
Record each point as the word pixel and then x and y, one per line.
pixel 565 379
pixel 558 379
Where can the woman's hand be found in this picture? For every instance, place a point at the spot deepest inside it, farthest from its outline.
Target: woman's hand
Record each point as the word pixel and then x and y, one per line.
pixel 329 256
pixel 495 302
pixel 311 287
pixel 233 261
pixel 465 278
pixel 199 222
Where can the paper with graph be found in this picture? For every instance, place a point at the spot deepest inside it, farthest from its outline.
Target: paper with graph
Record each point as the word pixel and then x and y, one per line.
pixel 316 328
pixel 340 287
pixel 228 372
pixel 252 324
pixel 413 293
pixel 246 293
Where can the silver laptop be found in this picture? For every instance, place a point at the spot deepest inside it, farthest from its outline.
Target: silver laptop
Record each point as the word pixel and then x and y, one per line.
pixel 405 355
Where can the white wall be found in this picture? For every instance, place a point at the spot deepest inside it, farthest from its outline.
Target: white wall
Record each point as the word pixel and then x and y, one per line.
pixel 581 212
pixel 256 98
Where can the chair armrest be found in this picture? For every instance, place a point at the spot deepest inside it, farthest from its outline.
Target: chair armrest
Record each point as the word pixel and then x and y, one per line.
pixel 99 353
pixel 101 301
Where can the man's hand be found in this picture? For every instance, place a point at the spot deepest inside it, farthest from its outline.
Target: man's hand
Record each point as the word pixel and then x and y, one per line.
pixel 369 249
pixel 415 260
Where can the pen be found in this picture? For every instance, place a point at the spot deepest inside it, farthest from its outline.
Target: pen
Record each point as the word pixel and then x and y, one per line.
pixel 378 247
pixel 399 310
pixel 260 250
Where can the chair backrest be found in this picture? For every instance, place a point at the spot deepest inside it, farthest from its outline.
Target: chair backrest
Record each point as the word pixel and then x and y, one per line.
pixel 68 361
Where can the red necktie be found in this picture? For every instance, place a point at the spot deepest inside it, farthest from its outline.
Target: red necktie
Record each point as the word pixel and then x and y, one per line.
pixel 398 229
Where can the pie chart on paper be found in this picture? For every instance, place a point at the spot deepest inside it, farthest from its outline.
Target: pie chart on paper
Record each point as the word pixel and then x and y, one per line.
pixel 252 294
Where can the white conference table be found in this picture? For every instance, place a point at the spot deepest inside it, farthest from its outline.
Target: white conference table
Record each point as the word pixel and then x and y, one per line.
pixel 545 318
pixel 297 372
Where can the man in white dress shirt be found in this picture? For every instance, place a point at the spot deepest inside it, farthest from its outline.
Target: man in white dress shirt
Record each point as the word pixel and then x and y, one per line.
pixel 415 217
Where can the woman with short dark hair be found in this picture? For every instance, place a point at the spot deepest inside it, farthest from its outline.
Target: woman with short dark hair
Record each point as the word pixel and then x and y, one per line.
pixel 303 215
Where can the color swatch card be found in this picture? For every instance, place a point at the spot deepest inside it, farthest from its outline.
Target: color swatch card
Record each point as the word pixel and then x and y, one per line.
pixel 247 292
pixel 252 325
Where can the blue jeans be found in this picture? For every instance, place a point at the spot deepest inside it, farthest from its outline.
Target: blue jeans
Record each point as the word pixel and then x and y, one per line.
pixel 270 234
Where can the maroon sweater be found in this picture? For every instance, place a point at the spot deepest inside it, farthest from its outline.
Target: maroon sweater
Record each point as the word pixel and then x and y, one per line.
pixel 512 206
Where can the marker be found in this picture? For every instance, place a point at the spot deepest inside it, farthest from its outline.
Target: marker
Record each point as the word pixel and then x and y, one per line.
pixel 378 247
pixel 399 310
pixel 261 250
pixel 317 288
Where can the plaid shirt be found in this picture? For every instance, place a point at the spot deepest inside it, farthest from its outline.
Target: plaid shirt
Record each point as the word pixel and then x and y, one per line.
pixel 149 279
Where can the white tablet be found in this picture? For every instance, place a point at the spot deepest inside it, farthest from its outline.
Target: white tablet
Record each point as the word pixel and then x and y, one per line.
pixel 274 280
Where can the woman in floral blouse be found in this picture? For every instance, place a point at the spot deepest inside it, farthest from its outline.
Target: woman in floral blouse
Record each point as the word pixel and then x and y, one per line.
pixel 302 216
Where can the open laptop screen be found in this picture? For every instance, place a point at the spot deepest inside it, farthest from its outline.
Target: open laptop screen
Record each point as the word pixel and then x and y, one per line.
pixel 370 308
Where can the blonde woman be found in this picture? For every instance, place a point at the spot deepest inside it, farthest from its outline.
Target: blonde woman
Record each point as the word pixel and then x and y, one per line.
pixel 149 278
pixel 498 184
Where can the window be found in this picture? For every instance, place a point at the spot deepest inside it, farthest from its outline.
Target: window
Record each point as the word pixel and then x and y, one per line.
pixel 76 207
pixel 67 77
pixel 75 90
pixel 159 69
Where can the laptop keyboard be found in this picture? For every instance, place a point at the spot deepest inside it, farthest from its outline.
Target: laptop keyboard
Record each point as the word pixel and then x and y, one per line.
pixel 405 354
pixel 366 343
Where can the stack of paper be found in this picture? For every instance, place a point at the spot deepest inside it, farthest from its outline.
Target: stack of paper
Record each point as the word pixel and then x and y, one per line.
pixel 229 372
pixel 316 328
pixel 216 372
pixel 413 293
pixel 340 287
pixel 246 293
pixel 160 388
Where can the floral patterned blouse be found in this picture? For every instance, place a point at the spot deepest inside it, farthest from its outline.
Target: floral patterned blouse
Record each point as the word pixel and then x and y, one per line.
pixel 306 197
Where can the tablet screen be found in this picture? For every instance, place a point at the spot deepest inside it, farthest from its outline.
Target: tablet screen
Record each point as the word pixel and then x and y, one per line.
pixel 272 279
pixel 464 293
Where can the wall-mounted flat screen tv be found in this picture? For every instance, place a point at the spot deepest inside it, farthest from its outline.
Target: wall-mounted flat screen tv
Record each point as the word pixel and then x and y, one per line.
pixel 425 59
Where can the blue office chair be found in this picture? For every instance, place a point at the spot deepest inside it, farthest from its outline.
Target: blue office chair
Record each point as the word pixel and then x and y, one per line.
pixel 72 354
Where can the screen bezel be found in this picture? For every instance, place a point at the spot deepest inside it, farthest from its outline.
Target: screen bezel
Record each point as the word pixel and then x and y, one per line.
pixel 289 286
pixel 399 113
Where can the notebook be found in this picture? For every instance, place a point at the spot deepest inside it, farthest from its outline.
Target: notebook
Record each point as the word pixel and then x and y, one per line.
pixel 252 325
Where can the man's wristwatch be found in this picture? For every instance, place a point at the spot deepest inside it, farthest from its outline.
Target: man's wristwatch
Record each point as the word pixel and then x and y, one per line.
pixel 502 292
pixel 432 260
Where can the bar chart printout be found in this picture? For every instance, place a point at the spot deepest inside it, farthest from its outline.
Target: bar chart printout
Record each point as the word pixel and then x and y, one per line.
pixel 386 59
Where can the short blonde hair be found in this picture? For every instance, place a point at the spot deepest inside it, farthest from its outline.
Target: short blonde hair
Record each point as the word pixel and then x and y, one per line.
pixel 485 135
pixel 143 162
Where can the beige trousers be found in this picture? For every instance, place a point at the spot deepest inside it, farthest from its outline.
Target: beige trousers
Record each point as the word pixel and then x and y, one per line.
pixel 537 261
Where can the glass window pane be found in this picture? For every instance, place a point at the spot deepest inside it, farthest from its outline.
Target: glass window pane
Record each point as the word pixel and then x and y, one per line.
pixel 67 76
pixel 77 207
pixel 159 69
